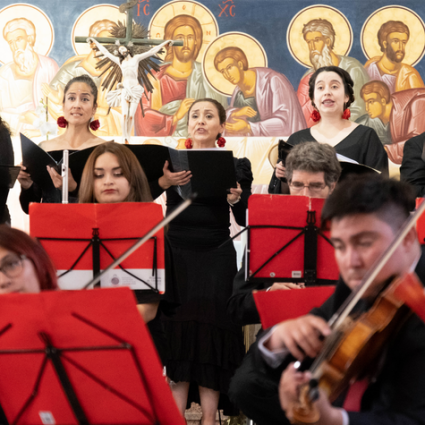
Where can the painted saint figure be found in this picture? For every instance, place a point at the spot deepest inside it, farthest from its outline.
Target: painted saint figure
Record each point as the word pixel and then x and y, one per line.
pixel 392 38
pixel 319 34
pixel 395 117
pixel 264 103
pixel 129 91
pixel 177 84
pixel 21 79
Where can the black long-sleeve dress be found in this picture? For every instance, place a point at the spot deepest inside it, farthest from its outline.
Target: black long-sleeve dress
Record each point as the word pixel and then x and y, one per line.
pixel 6 158
pixel 206 347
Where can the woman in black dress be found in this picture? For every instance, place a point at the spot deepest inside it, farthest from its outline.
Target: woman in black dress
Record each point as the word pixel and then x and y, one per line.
pixel 79 107
pixel 6 158
pixel 331 94
pixel 205 346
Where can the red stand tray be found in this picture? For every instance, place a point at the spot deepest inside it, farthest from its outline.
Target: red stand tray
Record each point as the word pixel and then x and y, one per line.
pixel 278 221
pixel 276 306
pixel 65 231
pixel 103 349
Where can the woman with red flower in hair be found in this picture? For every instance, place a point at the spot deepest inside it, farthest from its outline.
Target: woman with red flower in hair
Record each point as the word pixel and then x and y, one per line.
pixel 205 347
pixel 79 107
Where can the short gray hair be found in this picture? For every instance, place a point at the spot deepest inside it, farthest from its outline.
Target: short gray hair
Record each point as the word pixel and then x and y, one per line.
pixel 313 157
pixel 323 26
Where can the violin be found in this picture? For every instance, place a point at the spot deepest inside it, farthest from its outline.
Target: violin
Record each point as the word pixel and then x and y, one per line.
pixel 355 344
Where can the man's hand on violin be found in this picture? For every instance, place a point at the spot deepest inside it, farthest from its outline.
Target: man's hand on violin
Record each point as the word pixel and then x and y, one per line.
pixel 173 179
pixel 291 398
pixel 301 336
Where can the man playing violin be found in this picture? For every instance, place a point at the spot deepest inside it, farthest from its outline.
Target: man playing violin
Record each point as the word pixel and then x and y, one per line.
pixel 364 214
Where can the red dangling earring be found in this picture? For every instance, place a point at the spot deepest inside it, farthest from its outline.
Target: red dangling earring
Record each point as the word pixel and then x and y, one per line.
pixel 94 125
pixel 315 115
pixel 346 114
pixel 62 122
pixel 188 143
pixel 221 141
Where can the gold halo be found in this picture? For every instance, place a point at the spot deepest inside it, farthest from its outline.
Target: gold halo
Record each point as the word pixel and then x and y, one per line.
pixel 253 50
pixel 192 8
pixel 44 31
pixel 415 48
pixel 294 36
pixel 88 18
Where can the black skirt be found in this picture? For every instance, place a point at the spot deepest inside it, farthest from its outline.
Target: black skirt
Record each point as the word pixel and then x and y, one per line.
pixel 205 346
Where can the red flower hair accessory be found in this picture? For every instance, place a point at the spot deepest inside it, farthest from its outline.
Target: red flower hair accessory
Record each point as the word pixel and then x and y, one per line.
pixel 62 122
pixel 315 116
pixel 221 142
pixel 188 143
pixel 346 115
pixel 94 125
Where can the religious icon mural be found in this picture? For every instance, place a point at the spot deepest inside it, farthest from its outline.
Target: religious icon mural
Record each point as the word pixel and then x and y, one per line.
pixel 263 102
pixel 180 81
pixel 314 38
pixel 27 39
pixel 395 96
pixel 232 51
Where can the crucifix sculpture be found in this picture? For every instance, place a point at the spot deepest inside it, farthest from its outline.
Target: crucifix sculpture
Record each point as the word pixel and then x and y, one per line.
pixel 129 61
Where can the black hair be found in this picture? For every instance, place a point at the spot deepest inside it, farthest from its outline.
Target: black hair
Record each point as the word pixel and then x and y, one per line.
pixel 389 199
pixel 220 109
pixel 345 77
pixel 82 79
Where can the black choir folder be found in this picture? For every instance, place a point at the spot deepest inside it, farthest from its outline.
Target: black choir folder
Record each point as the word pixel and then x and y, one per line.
pixel 36 159
pixel 8 175
pixel 213 170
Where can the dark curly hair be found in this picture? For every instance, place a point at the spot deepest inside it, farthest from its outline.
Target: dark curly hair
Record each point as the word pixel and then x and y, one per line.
pixel 345 77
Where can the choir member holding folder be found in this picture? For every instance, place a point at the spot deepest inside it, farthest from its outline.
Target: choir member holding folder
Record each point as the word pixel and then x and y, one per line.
pixel 331 94
pixel 79 108
pixel 205 346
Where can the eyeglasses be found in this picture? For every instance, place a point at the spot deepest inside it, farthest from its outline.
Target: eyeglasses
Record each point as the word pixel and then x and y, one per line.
pixel 12 265
pixel 312 187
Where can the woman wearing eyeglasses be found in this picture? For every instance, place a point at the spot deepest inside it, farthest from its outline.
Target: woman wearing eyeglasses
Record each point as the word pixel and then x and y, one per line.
pixel 24 265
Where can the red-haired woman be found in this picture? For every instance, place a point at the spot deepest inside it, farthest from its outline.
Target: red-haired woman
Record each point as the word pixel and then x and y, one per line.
pixel 24 265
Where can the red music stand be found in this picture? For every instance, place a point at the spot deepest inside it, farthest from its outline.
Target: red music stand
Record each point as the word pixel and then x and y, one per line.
pixel 80 357
pixel 83 239
pixel 285 242
pixel 420 224
pixel 276 306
